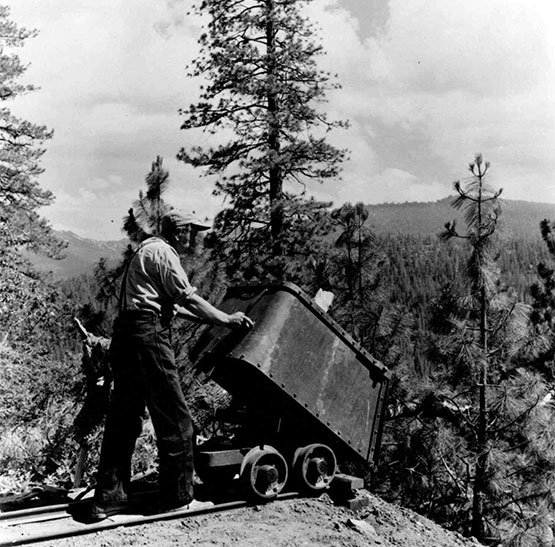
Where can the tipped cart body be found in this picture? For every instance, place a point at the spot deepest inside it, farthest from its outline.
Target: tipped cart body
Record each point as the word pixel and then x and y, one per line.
pixel 315 396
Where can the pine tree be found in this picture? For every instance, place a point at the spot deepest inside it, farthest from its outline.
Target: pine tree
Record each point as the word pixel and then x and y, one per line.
pixel 23 295
pixel 20 152
pixel 543 292
pixel 470 439
pixel 259 58
pixel 493 400
pixel 482 213
pixel 144 218
pixel 354 269
pixel 142 221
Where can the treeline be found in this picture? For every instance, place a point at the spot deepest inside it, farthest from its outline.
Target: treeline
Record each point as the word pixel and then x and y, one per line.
pixel 418 267
pixel 415 271
pixel 519 219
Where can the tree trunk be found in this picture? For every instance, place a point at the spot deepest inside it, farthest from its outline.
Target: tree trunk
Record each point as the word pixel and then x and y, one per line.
pixel 480 480
pixel 276 183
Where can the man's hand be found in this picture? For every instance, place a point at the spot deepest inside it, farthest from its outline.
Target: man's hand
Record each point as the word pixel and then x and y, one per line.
pixel 239 319
pixel 203 309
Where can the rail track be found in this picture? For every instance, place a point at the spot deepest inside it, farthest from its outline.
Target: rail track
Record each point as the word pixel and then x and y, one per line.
pixel 51 522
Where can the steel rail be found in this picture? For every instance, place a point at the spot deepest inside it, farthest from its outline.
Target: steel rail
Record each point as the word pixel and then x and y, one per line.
pixel 43 509
pixel 108 524
pixel 39 510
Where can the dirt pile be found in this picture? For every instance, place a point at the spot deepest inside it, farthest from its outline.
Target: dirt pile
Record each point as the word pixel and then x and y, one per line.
pixel 314 522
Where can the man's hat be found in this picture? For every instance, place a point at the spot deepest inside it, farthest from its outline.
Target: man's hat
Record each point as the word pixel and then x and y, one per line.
pixel 176 219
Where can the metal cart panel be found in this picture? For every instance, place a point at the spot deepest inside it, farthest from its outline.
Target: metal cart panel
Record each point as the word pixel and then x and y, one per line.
pixel 304 361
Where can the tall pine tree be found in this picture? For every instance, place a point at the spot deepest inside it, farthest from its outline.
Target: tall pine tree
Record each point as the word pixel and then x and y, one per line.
pixel 259 58
pixel 471 439
pixel 481 214
pixel 487 405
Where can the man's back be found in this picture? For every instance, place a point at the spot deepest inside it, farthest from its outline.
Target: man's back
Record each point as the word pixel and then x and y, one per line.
pixel 155 279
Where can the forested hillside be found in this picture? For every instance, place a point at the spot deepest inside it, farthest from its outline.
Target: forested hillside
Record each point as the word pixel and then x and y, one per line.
pixel 407 232
pixel 519 219
pixel 418 265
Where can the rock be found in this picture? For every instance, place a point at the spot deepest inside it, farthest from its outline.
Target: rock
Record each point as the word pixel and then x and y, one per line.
pixel 366 529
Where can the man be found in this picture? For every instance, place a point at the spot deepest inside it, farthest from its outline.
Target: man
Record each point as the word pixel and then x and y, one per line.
pixel 154 288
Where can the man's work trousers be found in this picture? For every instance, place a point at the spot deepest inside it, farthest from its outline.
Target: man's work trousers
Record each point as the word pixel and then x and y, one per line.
pixel 145 373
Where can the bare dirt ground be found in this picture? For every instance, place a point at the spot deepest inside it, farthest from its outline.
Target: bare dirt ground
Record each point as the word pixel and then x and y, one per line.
pixel 313 522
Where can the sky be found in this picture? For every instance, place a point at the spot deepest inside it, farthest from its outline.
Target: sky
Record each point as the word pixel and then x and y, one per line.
pixel 426 84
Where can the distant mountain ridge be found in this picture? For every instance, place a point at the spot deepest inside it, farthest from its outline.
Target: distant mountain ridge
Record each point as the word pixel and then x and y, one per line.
pixel 81 255
pixel 519 220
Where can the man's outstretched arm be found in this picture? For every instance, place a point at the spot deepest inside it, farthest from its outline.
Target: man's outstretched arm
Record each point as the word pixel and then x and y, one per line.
pixel 200 310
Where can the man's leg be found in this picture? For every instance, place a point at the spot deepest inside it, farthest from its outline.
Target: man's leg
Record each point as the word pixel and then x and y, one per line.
pixel 123 426
pixel 171 420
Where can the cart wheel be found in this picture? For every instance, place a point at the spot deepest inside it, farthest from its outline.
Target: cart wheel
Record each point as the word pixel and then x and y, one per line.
pixel 263 472
pixel 314 467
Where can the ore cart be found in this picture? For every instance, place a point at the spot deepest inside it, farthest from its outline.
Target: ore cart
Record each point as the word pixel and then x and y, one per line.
pixel 315 397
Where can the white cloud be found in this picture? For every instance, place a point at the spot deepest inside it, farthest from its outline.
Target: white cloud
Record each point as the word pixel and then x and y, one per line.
pixel 439 81
pixel 497 47
pixel 443 80
pixel 111 86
